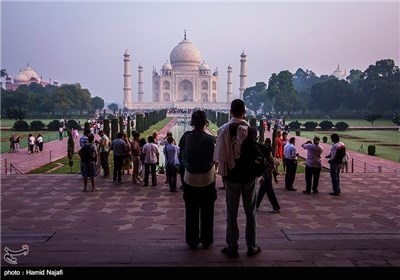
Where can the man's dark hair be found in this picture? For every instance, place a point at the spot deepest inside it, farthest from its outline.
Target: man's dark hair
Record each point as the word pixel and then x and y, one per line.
pixel 335 137
pixel 135 134
pixel 199 119
pixel 292 139
pixel 237 107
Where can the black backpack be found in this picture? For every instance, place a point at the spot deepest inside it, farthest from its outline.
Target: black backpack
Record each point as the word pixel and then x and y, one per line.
pixel 252 159
pixel 86 154
pixel 340 154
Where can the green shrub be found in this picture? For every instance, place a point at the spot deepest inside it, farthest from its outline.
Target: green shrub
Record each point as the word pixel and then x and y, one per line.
pixel 310 125
pixel 73 124
pixel 21 125
pixel 371 150
pixel 37 125
pixel 295 125
pixel 341 126
pixel 326 125
pixel 54 125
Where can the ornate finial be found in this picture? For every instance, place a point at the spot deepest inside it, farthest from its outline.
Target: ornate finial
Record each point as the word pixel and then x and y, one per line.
pixel 185 35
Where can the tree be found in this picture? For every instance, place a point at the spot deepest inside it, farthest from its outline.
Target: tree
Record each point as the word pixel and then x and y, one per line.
pixel 254 96
pixel 16 113
pixel 113 107
pixel 381 86
pixel 396 119
pixel 281 91
pixel 329 95
pixel 373 117
pixel 97 103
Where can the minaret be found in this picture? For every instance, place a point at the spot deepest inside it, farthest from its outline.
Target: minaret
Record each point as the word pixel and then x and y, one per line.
pixel 140 84
pixel 243 75
pixel 127 82
pixel 229 85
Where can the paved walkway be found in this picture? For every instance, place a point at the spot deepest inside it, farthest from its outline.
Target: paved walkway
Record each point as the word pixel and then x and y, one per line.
pixel 130 225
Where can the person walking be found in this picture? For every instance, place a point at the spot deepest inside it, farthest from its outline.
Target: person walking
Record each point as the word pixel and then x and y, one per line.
pixel 338 152
pixel 313 164
pixel 199 192
pixel 234 139
pixel 266 180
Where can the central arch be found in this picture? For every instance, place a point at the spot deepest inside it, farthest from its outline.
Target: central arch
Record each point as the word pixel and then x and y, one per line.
pixel 185 91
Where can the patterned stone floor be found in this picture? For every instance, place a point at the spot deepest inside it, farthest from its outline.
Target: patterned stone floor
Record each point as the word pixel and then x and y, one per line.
pixel 126 225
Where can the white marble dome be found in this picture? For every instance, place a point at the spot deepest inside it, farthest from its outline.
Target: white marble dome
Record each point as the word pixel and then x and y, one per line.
pixel 185 53
pixel 167 66
pixel 29 73
pixel 204 66
pixel 21 78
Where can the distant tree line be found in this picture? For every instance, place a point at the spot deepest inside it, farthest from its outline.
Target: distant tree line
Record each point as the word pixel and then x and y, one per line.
pixel 373 91
pixel 49 100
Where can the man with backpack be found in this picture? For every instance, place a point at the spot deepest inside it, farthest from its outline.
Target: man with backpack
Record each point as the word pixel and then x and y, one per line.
pixel 338 151
pixel 235 143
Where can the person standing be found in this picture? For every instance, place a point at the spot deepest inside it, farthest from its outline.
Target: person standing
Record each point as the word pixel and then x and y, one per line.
pixel 40 142
pixel 60 133
pixel 104 151
pixel 266 180
pixel 119 150
pixel 338 152
pixel 31 142
pixel 240 180
pixel 313 165
pixel 89 163
pixel 199 193
pixel 278 155
pixel 171 152
pixel 151 161
pixel 290 157
pixel 136 151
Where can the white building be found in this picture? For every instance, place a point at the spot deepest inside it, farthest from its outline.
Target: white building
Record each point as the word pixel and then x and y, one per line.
pixel 185 81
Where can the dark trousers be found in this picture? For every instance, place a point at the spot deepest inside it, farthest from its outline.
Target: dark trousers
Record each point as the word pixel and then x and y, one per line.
pixel 267 188
pixel 291 168
pixel 312 178
pixel 104 163
pixel 117 168
pixel 199 208
pixel 171 171
pixel 150 168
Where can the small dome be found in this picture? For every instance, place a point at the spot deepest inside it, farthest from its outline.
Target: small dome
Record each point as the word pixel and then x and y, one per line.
pixel 185 53
pixel 338 73
pixel 29 73
pixel 167 66
pixel 204 66
pixel 21 78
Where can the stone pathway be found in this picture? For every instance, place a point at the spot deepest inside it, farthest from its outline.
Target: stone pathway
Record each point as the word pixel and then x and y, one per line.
pixel 126 225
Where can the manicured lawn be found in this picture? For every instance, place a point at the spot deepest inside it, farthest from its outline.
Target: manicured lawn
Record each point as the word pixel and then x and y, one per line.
pixel 387 142
pixel 5 135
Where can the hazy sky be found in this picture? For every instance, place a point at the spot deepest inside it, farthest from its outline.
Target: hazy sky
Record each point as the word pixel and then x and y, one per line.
pixel 75 41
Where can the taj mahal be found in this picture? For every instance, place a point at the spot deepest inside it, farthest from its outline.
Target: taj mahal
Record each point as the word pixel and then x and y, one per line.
pixel 186 81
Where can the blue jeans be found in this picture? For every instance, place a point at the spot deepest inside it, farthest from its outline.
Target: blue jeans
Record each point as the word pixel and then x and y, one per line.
pixel 248 192
pixel 335 171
